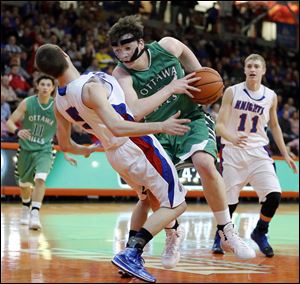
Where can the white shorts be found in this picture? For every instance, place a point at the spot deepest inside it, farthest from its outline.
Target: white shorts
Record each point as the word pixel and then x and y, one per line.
pixel 242 166
pixel 144 165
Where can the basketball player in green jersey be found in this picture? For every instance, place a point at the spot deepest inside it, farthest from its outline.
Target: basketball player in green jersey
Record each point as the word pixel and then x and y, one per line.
pixel 154 82
pixel 35 157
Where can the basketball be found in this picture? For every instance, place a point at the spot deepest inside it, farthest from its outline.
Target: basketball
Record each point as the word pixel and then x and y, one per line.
pixel 211 85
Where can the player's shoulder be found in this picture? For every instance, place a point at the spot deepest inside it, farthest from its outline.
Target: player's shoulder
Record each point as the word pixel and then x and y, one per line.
pixel 172 45
pixel 31 99
pixel 169 43
pixel 233 89
pixel 269 90
pixel 120 72
pixel 167 40
pixel 230 90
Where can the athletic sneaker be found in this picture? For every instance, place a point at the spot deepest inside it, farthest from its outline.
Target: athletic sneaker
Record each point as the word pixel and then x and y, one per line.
pixel 216 248
pixel 230 241
pixel 262 242
pixel 34 222
pixel 130 260
pixel 171 254
pixel 25 215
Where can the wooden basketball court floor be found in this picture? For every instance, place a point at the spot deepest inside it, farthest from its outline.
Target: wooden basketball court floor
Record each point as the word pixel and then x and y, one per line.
pixel 78 241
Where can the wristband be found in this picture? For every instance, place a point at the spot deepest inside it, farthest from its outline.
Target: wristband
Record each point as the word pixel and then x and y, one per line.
pixel 17 131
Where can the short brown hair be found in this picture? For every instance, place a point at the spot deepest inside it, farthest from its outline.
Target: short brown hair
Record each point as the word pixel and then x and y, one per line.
pixel 127 25
pixel 49 59
pixel 255 56
pixel 45 77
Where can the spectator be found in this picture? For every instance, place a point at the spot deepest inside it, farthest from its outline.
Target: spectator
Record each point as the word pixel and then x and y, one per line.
pixel 6 90
pixel 185 9
pixel 11 47
pixel 293 147
pixel 284 108
pixel 18 82
pixel 88 53
pixel 93 67
pixel 286 127
pixel 291 103
pixel 103 58
pixel 212 15
pixel 294 120
pixel 5 114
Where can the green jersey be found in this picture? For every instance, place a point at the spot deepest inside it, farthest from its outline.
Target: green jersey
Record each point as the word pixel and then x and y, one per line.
pixel 40 119
pixel 163 67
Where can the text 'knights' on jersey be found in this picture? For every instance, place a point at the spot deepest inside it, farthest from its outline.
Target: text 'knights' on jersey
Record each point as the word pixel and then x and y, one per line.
pixel 250 114
pixel 69 104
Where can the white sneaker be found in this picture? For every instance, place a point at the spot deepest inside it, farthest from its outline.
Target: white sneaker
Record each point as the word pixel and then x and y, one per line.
pixel 34 222
pixel 171 254
pixel 25 215
pixel 230 241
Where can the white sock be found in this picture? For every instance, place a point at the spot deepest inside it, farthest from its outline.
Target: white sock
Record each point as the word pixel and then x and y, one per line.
pixel 36 204
pixel 26 200
pixel 222 217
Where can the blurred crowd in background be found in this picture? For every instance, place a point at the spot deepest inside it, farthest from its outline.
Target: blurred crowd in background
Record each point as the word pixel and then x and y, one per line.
pixel 81 32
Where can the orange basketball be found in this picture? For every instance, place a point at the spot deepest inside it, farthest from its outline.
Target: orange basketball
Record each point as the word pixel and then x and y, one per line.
pixel 211 85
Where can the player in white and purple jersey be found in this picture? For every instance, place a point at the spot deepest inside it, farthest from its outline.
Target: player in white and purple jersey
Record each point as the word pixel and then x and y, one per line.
pixel 247 109
pixel 96 102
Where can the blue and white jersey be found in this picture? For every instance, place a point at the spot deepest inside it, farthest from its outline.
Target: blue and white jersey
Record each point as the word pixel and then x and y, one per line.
pixel 141 161
pixel 250 115
pixel 69 104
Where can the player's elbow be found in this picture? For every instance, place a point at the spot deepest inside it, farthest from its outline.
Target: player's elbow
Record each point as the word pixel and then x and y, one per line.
pixel 137 112
pixel 138 117
pixel 117 131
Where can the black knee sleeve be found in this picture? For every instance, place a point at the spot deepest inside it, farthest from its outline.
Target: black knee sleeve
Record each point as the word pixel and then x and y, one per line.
pixel 271 204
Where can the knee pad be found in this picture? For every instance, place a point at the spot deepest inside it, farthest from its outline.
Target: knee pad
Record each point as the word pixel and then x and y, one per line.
pixel 271 204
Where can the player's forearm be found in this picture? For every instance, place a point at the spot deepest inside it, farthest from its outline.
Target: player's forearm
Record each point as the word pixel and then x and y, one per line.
pixel 189 61
pixel 72 147
pixel 11 126
pixel 222 131
pixel 134 129
pixel 145 106
pixel 278 138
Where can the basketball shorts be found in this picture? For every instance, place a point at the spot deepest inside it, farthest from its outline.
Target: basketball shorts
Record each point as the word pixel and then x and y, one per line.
pixel 144 165
pixel 33 165
pixel 201 137
pixel 242 166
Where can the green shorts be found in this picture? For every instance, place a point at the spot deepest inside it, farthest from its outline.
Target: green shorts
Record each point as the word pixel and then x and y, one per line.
pixel 33 164
pixel 201 137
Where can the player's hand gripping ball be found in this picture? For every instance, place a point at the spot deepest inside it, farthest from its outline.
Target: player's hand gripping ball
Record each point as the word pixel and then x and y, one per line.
pixel 211 85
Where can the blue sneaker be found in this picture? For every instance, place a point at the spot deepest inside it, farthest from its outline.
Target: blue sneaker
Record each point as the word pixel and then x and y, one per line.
pixel 216 248
pixel 262 242
pixel 131 261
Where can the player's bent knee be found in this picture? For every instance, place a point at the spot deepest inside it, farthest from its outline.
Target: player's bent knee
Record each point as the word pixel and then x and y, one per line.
pixel 271 204
pixel 39 182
